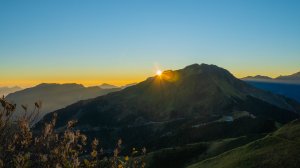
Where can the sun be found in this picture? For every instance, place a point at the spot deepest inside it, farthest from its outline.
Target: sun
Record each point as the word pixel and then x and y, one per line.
pixel 158 72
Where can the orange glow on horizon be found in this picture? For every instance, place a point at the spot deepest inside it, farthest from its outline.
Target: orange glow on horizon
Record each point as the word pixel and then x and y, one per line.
pixel 30 81
pixel 86 83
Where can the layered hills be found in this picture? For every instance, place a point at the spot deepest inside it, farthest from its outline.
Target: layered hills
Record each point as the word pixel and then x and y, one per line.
pixel 54 96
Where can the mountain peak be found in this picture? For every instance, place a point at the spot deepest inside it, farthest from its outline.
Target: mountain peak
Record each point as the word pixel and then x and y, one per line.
pixel 209 70
pixel 192 66
pixel 203 68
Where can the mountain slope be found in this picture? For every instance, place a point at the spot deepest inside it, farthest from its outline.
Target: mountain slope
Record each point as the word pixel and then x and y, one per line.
pixel 277 150
pixel 55 96
pixel 180 104
pixel 182 156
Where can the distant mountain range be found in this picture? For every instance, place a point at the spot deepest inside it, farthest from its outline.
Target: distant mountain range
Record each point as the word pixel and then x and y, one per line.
pixel 55 96
pixel 257 77
pixel 7 90
pixel 293 78
pixel 197 103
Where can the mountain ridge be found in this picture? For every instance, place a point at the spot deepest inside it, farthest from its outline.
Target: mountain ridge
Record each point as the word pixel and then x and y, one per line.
pixel 293 78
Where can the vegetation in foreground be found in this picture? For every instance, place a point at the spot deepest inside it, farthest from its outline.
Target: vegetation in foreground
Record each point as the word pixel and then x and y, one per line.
pixel 22 148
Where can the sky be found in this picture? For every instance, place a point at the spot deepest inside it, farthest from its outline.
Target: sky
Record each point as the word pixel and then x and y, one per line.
pixel 125 41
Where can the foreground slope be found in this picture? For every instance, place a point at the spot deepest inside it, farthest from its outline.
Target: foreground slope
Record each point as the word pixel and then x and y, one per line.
pixel 55 96
pixel 182 156
pixel 199 102
pixel 277 150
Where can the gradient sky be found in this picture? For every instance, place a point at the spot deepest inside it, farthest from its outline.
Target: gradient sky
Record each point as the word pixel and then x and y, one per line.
pixel 119 42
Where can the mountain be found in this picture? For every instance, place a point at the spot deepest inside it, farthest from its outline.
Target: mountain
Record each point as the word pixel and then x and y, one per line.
pixel 196 103
pixel 276 150
pixel 54 96
pixel 257 77
pixel 7 90
pixel 107 86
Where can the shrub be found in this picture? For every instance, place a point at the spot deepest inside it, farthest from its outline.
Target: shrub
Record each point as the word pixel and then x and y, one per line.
pixel 21 147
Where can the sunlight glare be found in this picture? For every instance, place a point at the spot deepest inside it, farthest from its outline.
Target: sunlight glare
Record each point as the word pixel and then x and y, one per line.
pixel 158 72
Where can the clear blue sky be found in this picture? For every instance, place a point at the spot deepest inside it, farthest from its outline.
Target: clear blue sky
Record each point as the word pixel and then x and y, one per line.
pixel 123 41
